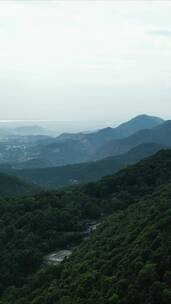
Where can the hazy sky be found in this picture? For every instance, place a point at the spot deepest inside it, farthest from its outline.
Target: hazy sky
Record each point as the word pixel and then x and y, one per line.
pixel 84 60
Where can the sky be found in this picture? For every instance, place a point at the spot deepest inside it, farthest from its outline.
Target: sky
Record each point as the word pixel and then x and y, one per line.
pixel 84 60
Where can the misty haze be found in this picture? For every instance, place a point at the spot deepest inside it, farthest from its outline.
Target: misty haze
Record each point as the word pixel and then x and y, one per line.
pixel 85 152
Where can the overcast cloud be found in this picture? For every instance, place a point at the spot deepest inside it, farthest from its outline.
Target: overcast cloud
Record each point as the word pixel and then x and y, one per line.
pixel 84 60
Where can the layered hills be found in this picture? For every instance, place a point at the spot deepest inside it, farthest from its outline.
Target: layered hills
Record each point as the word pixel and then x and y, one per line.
pixel 69 175
pixel 126 261
pixel 159 135
pixel 24 148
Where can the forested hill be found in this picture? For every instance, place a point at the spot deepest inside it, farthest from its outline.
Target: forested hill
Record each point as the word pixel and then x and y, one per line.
pixel 57 177
pixel 127 261
pixel 136 180
pixel 11 186
pixel 159 134
pixel 126 129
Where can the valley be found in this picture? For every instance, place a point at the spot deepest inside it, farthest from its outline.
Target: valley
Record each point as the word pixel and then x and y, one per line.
pixel 92 231
pixel 34 151
pixel 85 152
pixel 35 226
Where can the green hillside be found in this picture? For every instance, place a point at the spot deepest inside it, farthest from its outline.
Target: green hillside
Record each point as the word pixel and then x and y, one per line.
pixel 127 260
pixel 11 186
pixel 81 173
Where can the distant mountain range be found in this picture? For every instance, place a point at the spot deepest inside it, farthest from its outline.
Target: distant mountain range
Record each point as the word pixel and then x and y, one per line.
pixel 34 151
pixel 160 134
pixel 81 173
pixel 78 148
pixel 30 130
pixel 99 138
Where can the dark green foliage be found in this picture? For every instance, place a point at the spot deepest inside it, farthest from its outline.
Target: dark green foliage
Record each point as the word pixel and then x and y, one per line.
pixel 135 181
pixel 34 226
pixel 13 186
pixel 128 259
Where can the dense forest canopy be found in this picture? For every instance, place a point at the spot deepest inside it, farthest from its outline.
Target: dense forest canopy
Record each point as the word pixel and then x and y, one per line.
pixel 127 261
pixel 85 167
pixel 12 186
pixel 130 248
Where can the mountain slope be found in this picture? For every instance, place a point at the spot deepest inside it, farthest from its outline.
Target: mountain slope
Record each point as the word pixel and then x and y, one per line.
pixel 11 186
pixel 23 150
pixel 87 145
pixel 127 261
pixel 81 173
pixel 160 135
pixel 128 128
pixel 139 123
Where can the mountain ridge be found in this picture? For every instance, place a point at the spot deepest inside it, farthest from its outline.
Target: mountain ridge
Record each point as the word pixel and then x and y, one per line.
pixel 69 175
pixel 126 261
pixel 159 135
pixel 68 149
